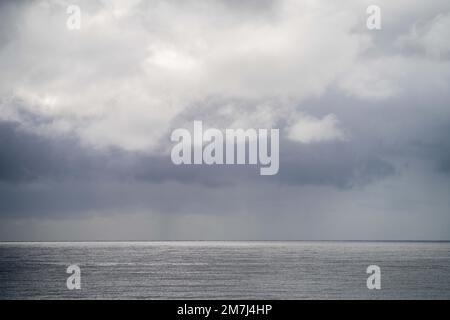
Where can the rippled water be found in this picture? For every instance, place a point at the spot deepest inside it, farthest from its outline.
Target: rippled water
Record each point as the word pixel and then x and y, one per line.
pixel 225 270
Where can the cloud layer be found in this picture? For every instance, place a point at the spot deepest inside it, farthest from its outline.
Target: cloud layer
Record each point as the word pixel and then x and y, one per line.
pixel 86 116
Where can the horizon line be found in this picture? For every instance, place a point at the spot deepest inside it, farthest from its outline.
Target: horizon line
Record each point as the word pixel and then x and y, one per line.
pixel 216 240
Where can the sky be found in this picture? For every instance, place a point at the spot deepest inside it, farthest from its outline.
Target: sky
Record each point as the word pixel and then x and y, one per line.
pixel 86 117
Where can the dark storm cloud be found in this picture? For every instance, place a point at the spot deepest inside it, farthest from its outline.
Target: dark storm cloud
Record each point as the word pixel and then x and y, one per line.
pixel 336 164
pixel 26 157
pixel 74 178
pixel 58 176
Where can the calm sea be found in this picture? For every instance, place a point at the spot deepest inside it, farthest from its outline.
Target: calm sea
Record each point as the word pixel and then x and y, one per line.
pixel 225 270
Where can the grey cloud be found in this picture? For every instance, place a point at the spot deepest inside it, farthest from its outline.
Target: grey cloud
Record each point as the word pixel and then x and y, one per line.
pixel 27 157
pixel 337 164
pixel 119 97
pixel 58 176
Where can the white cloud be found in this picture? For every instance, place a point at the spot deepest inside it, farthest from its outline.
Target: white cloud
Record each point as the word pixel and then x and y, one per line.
pixel 370 79
pixel 132 69
pixel 420 61
pixel 430 37
pixel 308 129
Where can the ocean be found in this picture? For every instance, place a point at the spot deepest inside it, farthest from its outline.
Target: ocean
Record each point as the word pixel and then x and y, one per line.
pixel 225 270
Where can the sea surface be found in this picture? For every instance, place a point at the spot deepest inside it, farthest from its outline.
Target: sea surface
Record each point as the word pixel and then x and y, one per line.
pixel 225 270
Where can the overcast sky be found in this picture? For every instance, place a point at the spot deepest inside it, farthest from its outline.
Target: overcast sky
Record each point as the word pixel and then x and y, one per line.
pixel 86 117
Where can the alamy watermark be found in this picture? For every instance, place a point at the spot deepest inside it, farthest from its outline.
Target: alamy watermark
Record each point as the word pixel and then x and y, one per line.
pixel 374 280
pixel 213 147
pixel 73 282
pixel 374 19
pixel 74 19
